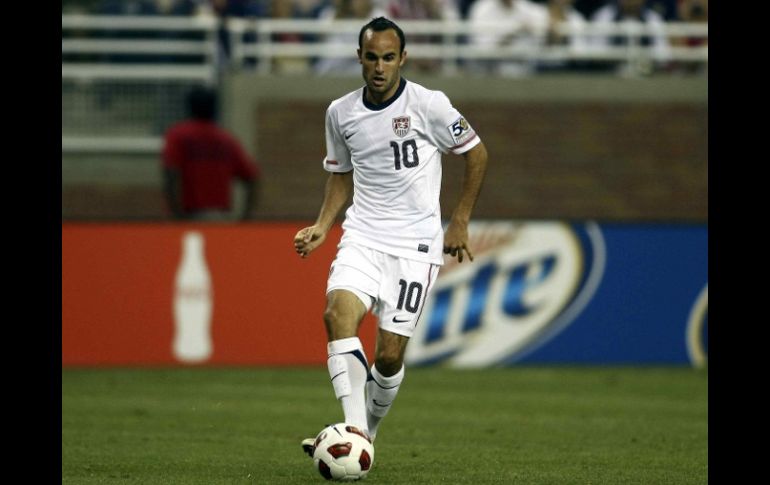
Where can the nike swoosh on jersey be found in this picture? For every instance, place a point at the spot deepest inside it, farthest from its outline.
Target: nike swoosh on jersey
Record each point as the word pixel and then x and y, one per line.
pixel 396 320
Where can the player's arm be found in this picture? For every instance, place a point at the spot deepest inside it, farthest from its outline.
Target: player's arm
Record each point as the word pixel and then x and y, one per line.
pixel 248 174
pixel 172 191
pixel 172 159
pixel 456 235
pixel 250 193
pixel 339 187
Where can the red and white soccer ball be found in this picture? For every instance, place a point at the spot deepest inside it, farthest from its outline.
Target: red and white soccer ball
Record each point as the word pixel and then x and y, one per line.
pixel 343 453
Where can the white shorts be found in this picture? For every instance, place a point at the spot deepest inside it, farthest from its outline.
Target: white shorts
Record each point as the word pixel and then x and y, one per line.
pixel 394 288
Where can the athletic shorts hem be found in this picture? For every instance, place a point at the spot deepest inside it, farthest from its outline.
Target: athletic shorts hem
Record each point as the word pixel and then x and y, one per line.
pixel 367 300
pixel 404 332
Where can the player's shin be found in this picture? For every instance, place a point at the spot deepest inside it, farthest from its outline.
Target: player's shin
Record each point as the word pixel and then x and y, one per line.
pixel 380 393
pixel 348 370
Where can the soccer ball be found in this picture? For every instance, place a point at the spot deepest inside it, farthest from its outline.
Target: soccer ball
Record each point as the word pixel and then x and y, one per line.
pixel 343 453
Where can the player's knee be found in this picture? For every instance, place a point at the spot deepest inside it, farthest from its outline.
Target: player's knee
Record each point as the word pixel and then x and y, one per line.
pixel 338 324
pixel 331 319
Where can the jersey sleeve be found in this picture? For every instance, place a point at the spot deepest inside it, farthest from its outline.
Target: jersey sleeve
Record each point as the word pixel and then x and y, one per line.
pixel 245 167
pixel 451 131
pixel 337 154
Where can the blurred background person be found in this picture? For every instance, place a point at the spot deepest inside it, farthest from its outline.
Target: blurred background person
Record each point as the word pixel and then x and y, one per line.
pixel 693 11
pixel 200 163
pixel 126 7
pixel 176 7
pixel 527 27
pixel 290 9
pixel 655 40
pixel 562 13
pixel 588 7
pixel 423 10
pixel 223 11
pixel 665 8
pixel 348 64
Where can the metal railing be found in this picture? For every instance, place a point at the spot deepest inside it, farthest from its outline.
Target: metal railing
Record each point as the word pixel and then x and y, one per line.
pixel 453 44
pixel 123 77
pixel 449 42
pixel 76 40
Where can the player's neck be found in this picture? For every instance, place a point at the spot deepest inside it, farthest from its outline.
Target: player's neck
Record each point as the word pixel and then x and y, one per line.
pixel 377 101
pixel 377 98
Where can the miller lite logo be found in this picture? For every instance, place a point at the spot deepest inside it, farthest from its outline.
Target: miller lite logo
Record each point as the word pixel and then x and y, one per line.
pixel 401 126
pixel 528 282
pixel 697 330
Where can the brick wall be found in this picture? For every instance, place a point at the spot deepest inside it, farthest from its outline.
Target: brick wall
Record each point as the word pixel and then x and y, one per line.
pixel 608 150
pixel 606 161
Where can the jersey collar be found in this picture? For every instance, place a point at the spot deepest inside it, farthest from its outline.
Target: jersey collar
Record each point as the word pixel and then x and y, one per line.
pixel 379 107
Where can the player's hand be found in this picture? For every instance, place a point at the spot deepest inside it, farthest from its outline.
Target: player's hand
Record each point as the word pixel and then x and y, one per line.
pixel 308 239
pixel 456 241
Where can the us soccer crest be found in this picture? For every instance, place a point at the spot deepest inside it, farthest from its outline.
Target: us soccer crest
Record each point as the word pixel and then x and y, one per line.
pixel 401 125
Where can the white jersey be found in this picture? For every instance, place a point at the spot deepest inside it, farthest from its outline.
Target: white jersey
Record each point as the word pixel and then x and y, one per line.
pixel 394 150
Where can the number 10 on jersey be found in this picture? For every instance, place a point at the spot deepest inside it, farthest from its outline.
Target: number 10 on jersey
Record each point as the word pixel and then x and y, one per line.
pixel 409 149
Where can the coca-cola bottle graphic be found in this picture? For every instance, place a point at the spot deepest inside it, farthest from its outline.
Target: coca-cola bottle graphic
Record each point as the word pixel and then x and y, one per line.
pixel 192 302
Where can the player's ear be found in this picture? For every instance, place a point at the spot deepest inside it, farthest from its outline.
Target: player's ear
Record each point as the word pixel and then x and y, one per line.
pixel 403 59
pixel 358 53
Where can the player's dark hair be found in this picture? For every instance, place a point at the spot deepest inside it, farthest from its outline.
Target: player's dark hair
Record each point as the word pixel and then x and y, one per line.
pixel 202 103
pixel 380 24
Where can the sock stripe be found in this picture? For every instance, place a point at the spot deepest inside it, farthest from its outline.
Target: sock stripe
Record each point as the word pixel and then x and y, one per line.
pixel 384 387
pixel 338 375
pixel 361 358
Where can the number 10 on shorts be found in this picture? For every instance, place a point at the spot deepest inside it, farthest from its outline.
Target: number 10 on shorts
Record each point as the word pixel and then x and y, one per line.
pixel 409 296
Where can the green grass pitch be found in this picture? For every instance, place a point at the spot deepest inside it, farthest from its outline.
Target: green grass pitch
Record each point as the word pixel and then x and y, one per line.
pixel 520 425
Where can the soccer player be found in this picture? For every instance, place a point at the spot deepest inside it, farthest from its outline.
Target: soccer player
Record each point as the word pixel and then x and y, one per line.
pixel 383 146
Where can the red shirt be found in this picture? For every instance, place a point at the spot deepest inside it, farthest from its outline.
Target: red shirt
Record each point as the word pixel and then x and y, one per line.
pixel 207 158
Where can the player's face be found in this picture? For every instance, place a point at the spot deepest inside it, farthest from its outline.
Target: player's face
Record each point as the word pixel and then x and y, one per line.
pixel 381 58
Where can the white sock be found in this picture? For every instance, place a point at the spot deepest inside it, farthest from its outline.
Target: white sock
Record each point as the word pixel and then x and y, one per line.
pixel 348 370
pixel 380 393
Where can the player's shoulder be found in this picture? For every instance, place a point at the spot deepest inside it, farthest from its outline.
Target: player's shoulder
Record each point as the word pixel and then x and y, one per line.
pixel 186 128
pixel 422 92
pixel 346 101
pixel 427 99
pixel 180 126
